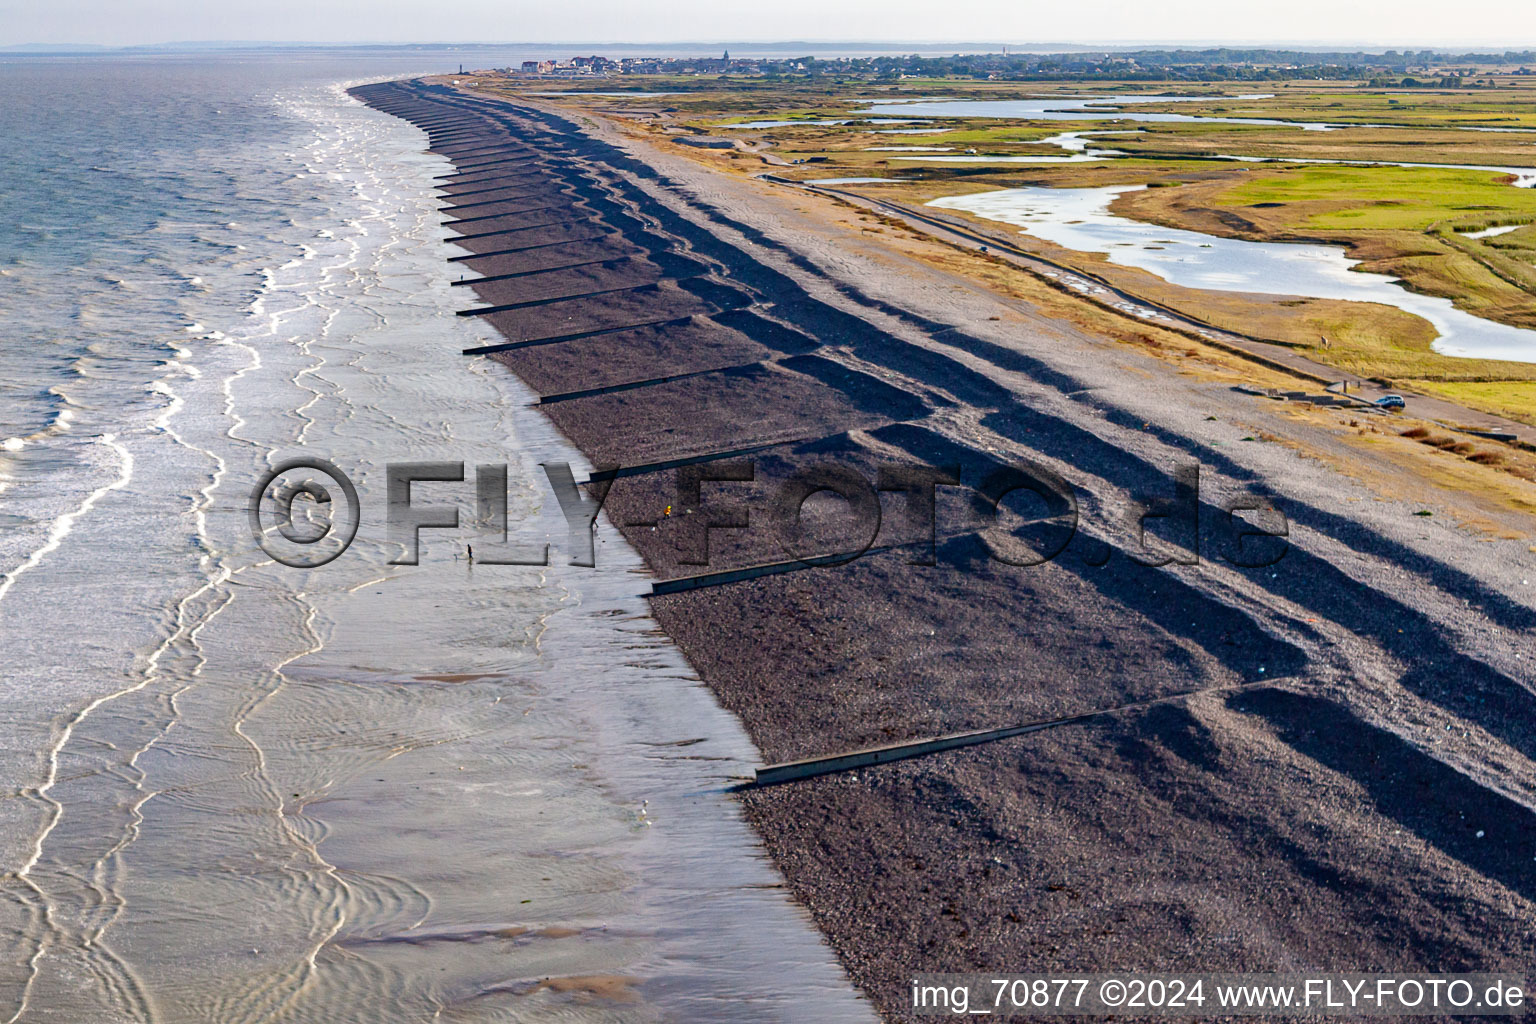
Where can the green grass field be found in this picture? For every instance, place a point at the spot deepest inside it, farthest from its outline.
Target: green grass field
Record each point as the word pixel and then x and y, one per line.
pixel 1389 198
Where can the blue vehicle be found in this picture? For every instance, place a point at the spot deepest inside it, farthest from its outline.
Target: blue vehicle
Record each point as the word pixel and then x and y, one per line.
pixel 1391 402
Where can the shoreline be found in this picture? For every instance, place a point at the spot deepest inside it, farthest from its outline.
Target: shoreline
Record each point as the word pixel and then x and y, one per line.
pixel 367 792
pixel 689 330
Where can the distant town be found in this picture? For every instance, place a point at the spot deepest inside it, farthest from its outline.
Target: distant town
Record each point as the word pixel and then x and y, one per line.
pixel 1223 64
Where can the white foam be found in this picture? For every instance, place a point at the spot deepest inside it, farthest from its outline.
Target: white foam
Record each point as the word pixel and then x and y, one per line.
pixel 60 527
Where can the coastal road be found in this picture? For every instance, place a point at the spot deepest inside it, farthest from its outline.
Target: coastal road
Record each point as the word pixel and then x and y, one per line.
pixel 1323 761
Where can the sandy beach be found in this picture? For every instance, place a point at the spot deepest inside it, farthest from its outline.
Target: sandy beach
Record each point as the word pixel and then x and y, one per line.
pixel 1322 763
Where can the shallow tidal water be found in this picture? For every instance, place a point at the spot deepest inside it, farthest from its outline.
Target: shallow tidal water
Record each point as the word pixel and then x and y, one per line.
pixel 240 791
pixel 1080 218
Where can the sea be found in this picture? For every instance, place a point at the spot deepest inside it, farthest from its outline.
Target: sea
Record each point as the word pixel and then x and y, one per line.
pixel 234 789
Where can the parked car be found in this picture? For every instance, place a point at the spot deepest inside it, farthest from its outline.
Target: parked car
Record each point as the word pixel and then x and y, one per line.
pixel 1391 402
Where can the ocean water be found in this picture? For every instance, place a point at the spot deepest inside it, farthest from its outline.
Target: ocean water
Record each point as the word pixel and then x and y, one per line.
pixel 240 791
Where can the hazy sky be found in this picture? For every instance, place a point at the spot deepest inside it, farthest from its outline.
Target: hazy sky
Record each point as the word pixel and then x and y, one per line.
pixel 1501 23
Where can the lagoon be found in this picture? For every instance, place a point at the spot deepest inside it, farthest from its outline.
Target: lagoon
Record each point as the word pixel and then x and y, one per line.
pixel 1079 218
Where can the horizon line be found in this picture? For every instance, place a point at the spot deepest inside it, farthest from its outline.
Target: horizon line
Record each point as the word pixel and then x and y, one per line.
pixel 1491 48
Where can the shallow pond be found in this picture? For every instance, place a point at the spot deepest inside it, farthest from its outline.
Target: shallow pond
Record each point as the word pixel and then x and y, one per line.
pixel 1081 108
pixel 824 120
pixel 1491 232
pixel 1121 108
pixel 983 158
